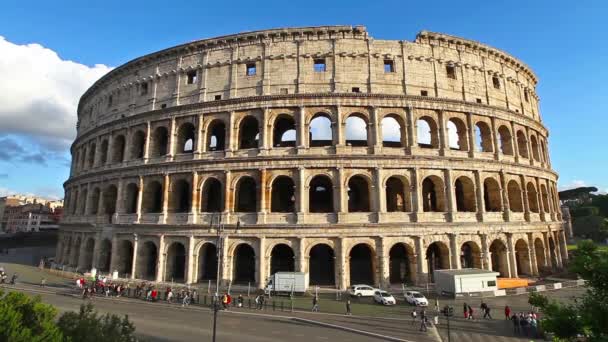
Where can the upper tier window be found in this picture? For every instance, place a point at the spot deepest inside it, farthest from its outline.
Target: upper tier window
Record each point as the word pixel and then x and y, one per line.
pixel 320 65
pixel 251 69
pixel 451 71
pixel 143 90
pixel 496 82
pixel 191 77
pixel 389 65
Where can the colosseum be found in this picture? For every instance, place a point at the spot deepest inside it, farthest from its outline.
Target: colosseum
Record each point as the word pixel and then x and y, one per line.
pixel 316 149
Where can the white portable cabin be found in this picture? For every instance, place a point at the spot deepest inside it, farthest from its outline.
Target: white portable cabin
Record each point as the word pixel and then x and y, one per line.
pixel 464 281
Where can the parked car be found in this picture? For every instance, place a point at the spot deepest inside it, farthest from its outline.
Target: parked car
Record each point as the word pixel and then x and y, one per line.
pixel 416 298
pixel 384 298
pixel 361 291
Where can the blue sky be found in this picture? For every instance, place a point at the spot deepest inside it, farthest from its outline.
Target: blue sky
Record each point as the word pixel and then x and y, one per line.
pixel 564 44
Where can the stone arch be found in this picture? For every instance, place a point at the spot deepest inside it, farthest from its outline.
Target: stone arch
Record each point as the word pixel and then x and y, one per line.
pixel 83 158
pixel 244 264
pixel 543 151
pixel 320 131
pixel 320 195
pixel 92 151
pixel 427 132
pixel 160 142
pixel 103 155
pixel 137 146
pixel 356 132
pixel 437 258
pixel 522 258
pixel 216 135
pixel 321 265
pixel 545 197
pixel 282 259
pixel 433 194
pixel 284 131
pixel 181 196
pixel 515 199
pixel 118 149
pixel 492 197
pixel 207 262
pixel 470 255
pixel 245 195
pixel 402 264
pixel 552 251
pixel 483 137
pixel 89 247
pixel 152 200
pixel 457 135
pixel 175 264
pixel 532 197
pixel 534 146
pixel 105 256
pixel 147 260
pixel 131 198
pixel 110 195
pixel 282 195
pixel 74 202
pixel 499 258
pixel 124 265
pixel 522 144
pixel 393 131
pixel 75 253
pixel 505 140
pixel 539 252
pixel 186 138
pixel 398 196
pixel 211 196
pixel 362 264
pixel 83 202
pixel 249 132
pixel 465 194
pixel 94 201
pixel 358 193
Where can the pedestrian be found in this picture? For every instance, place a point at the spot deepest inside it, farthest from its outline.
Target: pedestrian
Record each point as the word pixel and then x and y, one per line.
pixel 414 315
pixel 533 326
pixel 43 282
pixel 154 294
pixel 471 317
pixel 239 301
pixel 315 304
pixel 224 301
pixel 170 296
pixel 423 321
pixel 257 302
pixel 507 312
pixel 262 301
pixel 523 324
pixel 186 300
pixel 465 310
pixel 515 320
pixel 348 313
pixel 486 314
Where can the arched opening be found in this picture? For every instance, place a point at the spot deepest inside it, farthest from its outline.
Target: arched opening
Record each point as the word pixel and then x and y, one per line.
pixel 552 252
pixel 457 135
pixel 87 262
pixel 483 137
pixel 216 138
pixel 321 265
pixel 181 197
pixel 75 253
pixel 392 131
pixel 539 251
pixel 545 197
pixel 398 195
pixel 249 133
pixel 83 203
pixel 491 195
pixel 515 200
pixel 320 131
pixel 500 263
pixel 105 256
pixel 131 198
pixel 109 200
pixel 91 160
pixel 118 149
pixel 284 132
pixel 175 267
pixel 74 202
pixel 138 145
pixel 356 131
pixel 282 196
pixel 186 138
pixel 522 144
pixel 505 141
pixel 543 152
pixel 94 204
pixel 282 259
pixel 83 158
pixel 207 262
pixel 401 264
pixel 103 157
pixel 433 194
pixel 358 195
pixel 470 255
pixel 532 197
pixel 147 260
pixel 534 144
pixel 211 196
pixel 522 258
pixel 246 195
pixel 152 201
pixel 465 194
pixel 125 258
pixel 362 265
pixel 244 264
pixel 428 134
pixel 320 195
pixel 160 142
pixel 437 258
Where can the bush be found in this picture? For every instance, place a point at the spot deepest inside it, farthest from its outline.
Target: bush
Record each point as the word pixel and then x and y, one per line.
pixel 87 325
pixel 584 211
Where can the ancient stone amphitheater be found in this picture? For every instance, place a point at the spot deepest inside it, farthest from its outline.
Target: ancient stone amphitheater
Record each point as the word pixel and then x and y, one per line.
pixel 320 150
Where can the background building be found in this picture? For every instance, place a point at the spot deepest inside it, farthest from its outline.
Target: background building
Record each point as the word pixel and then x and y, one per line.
pixel 20 213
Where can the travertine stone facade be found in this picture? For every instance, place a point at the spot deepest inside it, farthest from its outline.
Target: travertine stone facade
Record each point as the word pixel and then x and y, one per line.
pixel 228 127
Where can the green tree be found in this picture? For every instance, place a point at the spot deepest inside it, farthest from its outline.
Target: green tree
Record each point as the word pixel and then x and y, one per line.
pixel 24 318
pixel 88 326
pixel 591 227
pixel 601 202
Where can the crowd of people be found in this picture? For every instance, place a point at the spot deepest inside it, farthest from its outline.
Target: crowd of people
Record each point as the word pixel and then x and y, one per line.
pixel 4 276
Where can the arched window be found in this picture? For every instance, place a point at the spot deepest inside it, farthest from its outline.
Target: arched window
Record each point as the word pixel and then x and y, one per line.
pixel 545 197
pixel 505 141
pixel 94 205
pixel 457 135
pixel 282 259
pixel 465 194
pixel 92 151
pixel 320 131
pixel 515 200
pixel 428 136
pixel 249 133
pixel 284 132
pixel 181 196
pixel 491 195
pixel 160 142
pixel 83 203
pixel 283 195
pixel 534 144
pixel 138 145
pixel 118 149
pixel 543 151
pixel 132 195
pixel 532 197
pixel 483 137
pixel 522 144
pixel 152 200
pixel 320 195
pixel 397 195
pixel 392 132
pixel 433 194
pixel 246 195
pixel 358 195
pixel 216 136
pixel 103 157
pixel 83 158
pixel 186 138
pixel 109 200
pixel 356 131
pixel 211 196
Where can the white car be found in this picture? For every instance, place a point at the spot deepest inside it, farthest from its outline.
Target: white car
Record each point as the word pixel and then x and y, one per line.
pixel 384 298
pixel 361 291
pixel 416 298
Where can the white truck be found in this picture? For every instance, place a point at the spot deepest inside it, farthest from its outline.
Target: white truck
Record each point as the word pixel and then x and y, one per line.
pixel 286 283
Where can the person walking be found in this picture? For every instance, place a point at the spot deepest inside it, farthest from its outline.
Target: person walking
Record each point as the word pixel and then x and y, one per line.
pixel 486 314
pixel 423 321
pixel 465 309
pixel 169 296
pixel 414 316
pixel 515 320
pixel 507 312
pixel 43 282
pixel 315 304
pixel 471 317
pixel 239 301
pixel 348 313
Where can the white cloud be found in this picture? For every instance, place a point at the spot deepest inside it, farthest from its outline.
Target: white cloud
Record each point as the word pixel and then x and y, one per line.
pixel 577 183
pixel 39 93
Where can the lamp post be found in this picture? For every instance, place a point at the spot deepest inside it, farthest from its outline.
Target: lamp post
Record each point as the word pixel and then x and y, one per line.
pixel 448 312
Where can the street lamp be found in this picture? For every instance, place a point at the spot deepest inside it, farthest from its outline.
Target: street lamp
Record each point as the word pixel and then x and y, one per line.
pixel 448 311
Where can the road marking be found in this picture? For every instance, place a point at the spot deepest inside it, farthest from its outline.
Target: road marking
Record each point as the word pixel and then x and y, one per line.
pixel 357 331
